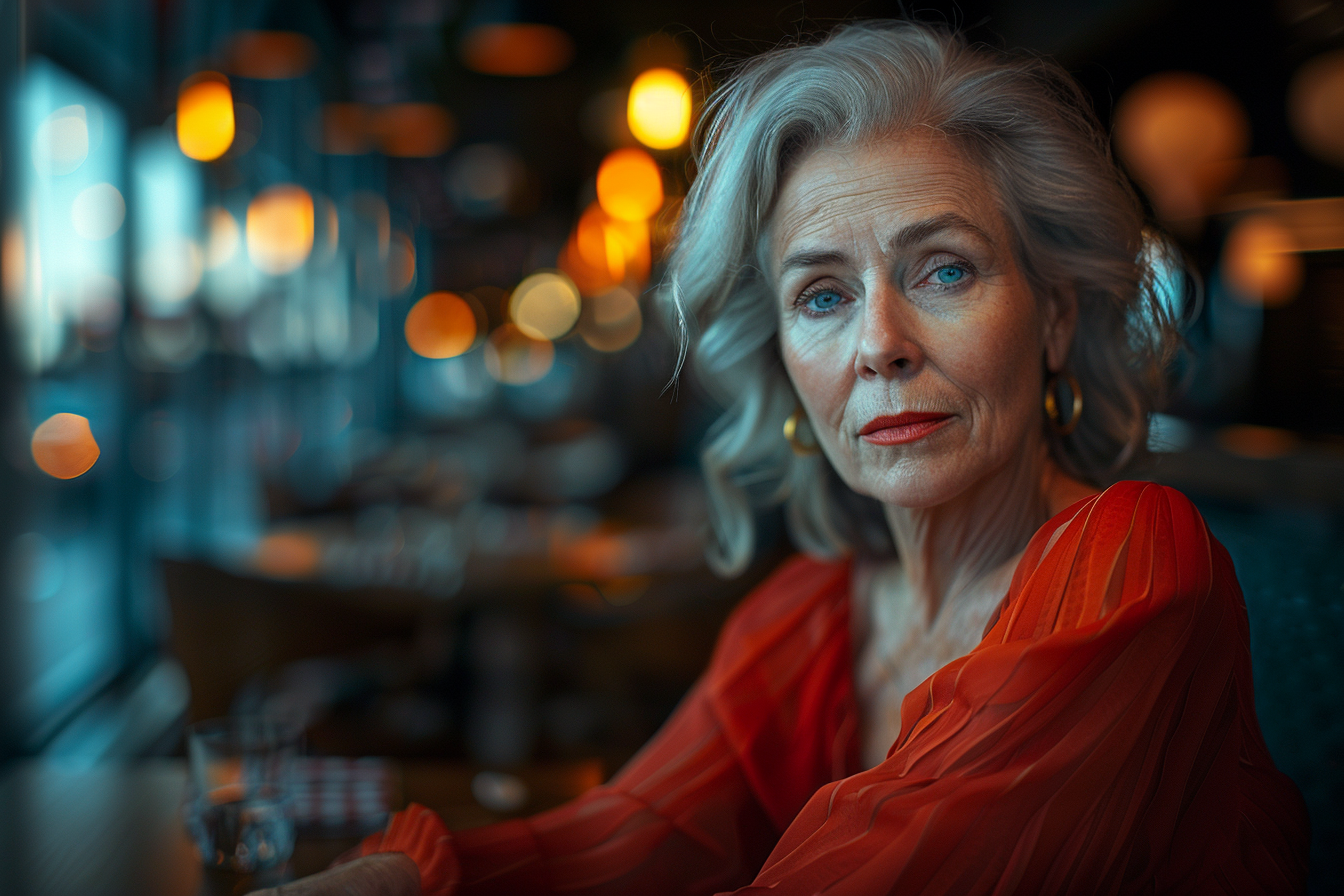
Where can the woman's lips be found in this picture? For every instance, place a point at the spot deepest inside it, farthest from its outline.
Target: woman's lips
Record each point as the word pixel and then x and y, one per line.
pixel 902 428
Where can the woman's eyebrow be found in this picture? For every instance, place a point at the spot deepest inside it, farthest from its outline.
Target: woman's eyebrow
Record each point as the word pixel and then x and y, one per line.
pixel 809 259
pixel 916 233
pixel 907 237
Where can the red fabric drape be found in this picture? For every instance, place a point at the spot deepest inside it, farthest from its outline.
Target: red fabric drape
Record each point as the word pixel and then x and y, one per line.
pixel 1100 739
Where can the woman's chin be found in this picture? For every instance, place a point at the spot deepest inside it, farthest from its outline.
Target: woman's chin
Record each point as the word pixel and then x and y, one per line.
pixel 918 488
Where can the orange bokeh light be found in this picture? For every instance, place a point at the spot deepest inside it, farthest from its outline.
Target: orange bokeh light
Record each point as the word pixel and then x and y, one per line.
pixel 280 228
pixel 288 555
pixel 519 50
pixel 589 279
pixel 1317 225
pixel 1261 261
pixel 14 264
pixel 659 108
pixel 603 252
pixel 622 247
pixel 1182 135
pixel 1257 442
pixel 205 124
pixel 598 243
pixel 441 325
pixel 1316 106
pixel 271 55
pixel 629 185
pixel 63 446
pixel 412 130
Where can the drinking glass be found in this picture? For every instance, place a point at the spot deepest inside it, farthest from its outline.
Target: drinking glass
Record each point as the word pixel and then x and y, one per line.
pixel 242 773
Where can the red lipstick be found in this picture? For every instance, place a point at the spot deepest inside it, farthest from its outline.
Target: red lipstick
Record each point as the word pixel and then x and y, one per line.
pixel 902 428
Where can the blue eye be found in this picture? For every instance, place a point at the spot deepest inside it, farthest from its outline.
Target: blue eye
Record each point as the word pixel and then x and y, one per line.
pixel 823 301
pixel 948 274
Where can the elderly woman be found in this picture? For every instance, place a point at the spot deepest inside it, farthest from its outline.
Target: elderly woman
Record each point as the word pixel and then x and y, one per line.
pixel 922 288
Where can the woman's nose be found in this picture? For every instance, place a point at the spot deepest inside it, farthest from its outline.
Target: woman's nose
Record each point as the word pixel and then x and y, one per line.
pixel 888 341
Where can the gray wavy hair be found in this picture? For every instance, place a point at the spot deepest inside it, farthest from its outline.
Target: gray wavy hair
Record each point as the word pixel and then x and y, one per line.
pixel 1076 221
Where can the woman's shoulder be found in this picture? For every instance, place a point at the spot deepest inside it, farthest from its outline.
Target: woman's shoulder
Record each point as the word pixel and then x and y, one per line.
pixel 1112 518
pixel 1133 542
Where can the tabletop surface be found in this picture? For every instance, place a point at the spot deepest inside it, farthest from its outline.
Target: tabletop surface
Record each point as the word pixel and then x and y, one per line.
pixel 116 830
pixel 104 830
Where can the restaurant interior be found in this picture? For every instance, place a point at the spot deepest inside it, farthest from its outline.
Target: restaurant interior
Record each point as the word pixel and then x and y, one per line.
pixel 335 387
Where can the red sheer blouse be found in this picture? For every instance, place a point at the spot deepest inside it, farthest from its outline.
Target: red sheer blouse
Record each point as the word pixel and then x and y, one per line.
pixel 1101 738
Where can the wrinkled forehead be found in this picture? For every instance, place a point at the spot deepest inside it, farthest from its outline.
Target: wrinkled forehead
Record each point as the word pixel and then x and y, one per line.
pixel 885 181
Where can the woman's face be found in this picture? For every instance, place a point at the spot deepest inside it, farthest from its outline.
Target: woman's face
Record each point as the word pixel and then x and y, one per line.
pixel 908 330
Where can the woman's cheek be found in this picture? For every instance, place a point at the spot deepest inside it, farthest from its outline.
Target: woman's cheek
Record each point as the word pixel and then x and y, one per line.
pixel 820 372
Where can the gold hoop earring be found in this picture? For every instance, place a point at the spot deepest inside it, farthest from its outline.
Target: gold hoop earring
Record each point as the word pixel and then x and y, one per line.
pixel 1060 426
pixel 791 424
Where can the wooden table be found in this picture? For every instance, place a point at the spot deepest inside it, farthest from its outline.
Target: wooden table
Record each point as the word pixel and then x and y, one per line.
pixel 116 830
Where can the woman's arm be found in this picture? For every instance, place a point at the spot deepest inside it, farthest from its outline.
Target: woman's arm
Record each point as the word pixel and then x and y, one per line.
pixel 385 874
pixel 701 805
pixel 680 818
pixel 1101 739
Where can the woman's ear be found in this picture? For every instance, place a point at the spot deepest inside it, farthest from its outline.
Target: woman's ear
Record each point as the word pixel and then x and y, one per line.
pixel 1061 321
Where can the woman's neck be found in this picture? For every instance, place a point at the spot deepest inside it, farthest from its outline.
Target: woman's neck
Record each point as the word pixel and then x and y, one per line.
pixel 956 548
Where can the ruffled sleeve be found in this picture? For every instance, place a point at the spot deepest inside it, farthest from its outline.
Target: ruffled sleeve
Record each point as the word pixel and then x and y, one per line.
pixel 702 804
pixel 1100 739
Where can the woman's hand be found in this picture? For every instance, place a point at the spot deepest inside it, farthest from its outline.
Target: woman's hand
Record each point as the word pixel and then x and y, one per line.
pixel 380 874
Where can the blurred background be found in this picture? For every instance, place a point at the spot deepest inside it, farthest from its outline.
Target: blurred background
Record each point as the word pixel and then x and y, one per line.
pixel 331 384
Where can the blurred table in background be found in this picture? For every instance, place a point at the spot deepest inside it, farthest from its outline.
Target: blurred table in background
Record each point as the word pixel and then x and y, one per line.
pixel 117 830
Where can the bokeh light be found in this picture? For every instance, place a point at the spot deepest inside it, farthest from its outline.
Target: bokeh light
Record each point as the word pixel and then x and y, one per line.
pixel 168 272
pixel 224 237
pixel 515 358
pixel 1316 106
pixel 99 310
pixel 14 263
pixel 631 238
pixel 1261 261
pixel 205 123
pixel 61 143
pixel 441 325
pixel 63 446
pixel 271 55
pixel 659 109
pixel 611 321
pixel 1182 136
pixel 287 555
pixel 484 178
pixel 412 130
pixel 629 185
pixel 598 244
pixel 604 251
pixel 590 279
pixel 400 263
pixel 545 305
pixel 517 50
pixel 1257 442
pixel 1317 225
pixel 98 211
pixel 280 228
